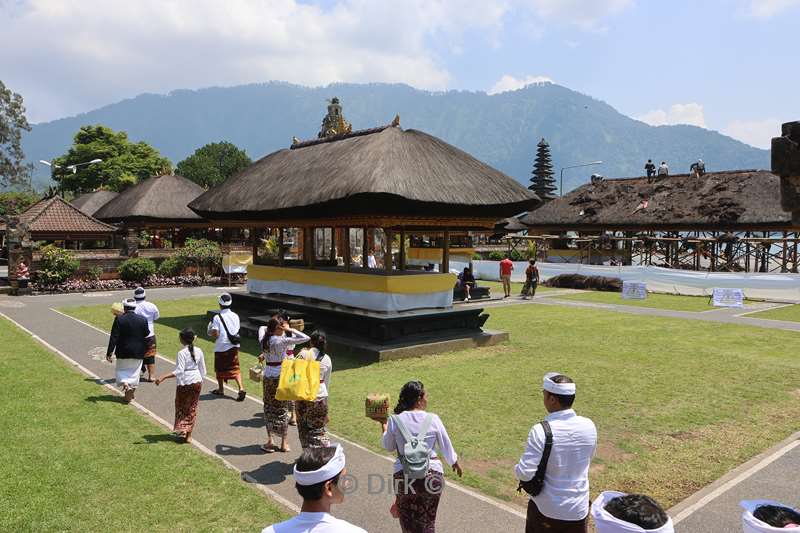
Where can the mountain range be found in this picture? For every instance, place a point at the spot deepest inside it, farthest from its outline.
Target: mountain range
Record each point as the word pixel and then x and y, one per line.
pixel 501 129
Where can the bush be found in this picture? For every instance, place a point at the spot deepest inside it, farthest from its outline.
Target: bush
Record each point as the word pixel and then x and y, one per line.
pixel 517 256
pixel 136 269
pixel 94 273
pixel 206 255
pixel 57 265
pixel 496 256
pixel 170 267
pixel 477 257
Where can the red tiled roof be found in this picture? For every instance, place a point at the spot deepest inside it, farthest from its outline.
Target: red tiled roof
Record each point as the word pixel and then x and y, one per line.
pixel 56 216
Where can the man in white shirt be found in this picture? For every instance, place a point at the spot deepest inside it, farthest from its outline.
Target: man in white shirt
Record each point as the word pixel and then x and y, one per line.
pixel 150 312
pixel 317 476
pixel 617 512
pixel 222 327
pixel 563 504
pixel 663 169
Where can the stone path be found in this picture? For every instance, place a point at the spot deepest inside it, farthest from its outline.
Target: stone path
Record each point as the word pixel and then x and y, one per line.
pixel 234 430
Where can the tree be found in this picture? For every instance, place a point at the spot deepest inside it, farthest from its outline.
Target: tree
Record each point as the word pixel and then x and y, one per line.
pixel 13 170
pixel 543 183
pixel 14 203
pixel 213 163
pixel 123 163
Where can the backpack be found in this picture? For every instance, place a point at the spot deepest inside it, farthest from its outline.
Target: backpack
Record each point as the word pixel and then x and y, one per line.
pixel 416 456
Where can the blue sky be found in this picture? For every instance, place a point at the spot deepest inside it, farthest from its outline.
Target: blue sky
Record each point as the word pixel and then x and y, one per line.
pixel 728 65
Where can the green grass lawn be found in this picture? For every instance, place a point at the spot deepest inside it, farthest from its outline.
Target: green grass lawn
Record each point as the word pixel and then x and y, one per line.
pixel 496 287
pixel 677 403
pixel 76 459
pixel 661 301
pixel 790 313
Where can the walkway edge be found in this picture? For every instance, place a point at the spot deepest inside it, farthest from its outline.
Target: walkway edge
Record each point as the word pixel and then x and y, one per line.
pixel 699 499
pixel 245 477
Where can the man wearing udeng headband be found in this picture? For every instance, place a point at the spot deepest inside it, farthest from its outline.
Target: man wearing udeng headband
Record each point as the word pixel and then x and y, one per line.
pixel 617 512
pixel 765 516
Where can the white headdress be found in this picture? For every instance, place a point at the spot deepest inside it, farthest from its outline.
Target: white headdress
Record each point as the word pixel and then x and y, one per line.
pixel 139 293
pixel 225 299
pixel 751 524
pixel 129 303
pixel 323 473
pixel 565 389
pixel 605 522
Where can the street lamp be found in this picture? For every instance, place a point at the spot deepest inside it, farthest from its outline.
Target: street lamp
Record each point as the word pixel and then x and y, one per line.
pixel 74 167
pixel 561 185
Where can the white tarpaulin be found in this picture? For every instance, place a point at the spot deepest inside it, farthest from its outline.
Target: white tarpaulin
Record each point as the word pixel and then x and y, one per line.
pixel 770 286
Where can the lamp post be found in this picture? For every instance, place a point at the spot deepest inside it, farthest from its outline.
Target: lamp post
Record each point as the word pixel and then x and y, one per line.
pixel 74 167
pixel 561 184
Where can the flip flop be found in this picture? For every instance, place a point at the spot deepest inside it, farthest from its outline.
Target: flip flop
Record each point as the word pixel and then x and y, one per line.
pixel 267 449
pixel 217 392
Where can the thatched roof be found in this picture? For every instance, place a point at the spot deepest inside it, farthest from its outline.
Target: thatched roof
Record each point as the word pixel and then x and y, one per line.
pixel 152 201
pixel 56 219
pixel 91 202
pixel 731 200
pixel 386 171
pixel 509 225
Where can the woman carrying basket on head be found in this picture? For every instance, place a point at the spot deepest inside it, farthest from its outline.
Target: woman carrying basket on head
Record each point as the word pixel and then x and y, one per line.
pixel 190 369
pixel 273 351
pixel 313 416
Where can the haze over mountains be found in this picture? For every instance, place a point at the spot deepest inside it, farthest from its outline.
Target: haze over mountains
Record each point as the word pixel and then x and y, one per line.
pixel 500 129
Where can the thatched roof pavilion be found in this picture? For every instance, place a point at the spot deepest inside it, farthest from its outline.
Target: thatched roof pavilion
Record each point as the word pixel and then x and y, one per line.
pixel 158 202
pixel 91 202
pixel 383 176
pixel 54 219
pixel 743 200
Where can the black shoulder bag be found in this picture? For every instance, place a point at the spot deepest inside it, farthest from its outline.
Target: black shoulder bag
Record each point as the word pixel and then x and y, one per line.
pixel 234 339
pixel 536 483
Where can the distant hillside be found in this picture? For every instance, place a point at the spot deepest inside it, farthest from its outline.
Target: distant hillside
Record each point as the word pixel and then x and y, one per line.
pixel 501 129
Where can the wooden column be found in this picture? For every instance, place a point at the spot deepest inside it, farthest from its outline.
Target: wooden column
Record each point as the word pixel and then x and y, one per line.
pixel 253 243
pixel 387 251
pixel 402 249
pixel 747 253
pixel 364 246
pixel 446 252
pixel 309 235
pixel 333 246
pixel 346 250
pixel 784 258
pixel 281 251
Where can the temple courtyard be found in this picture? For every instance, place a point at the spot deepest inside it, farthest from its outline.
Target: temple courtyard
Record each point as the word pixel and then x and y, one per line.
pixel 685 399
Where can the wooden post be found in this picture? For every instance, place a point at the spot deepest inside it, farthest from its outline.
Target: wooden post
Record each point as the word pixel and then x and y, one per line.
pixel 784 259
pixel 253 242
pixel 402 249
pixel 446 253
pixel 346 251
pixel 387 252
pixel 309 237
pixel 280 246
pixel 364 246
pixel 747 253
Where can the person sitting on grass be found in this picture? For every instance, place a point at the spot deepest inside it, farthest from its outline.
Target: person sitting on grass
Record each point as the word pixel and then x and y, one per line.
pixel 762 516
pixel 317 476
pixel 190 369
pixel 617 512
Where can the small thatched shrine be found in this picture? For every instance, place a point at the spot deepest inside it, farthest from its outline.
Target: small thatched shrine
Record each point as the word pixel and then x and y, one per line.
pixel 330 199
pixel 91 202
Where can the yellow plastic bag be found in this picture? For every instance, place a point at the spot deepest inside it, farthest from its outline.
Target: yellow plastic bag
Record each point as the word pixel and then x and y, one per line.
pixel 299 380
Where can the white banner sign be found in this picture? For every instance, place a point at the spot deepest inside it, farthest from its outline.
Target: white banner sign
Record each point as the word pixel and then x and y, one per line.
pixel 724 297
pixel 634 290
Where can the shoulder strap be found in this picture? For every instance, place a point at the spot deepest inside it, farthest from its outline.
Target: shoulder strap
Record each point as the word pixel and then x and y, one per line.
pixel 320 354
pixel 423 429
pixel 548 446
pixel 224 325
pixel 402 427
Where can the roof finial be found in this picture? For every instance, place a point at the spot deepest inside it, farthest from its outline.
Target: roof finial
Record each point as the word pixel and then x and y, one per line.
pixel 295 140
pixel 334 122
pixel 396 121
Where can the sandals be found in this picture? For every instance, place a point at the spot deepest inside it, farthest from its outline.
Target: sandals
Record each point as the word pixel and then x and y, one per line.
pixel 218 392
pixel 267 449
pixel 242 394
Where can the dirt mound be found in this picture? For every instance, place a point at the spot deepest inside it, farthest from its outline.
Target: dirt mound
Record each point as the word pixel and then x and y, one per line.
pixel 578 281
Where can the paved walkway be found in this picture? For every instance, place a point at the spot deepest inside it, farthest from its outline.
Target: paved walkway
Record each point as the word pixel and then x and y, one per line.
pixel 234 430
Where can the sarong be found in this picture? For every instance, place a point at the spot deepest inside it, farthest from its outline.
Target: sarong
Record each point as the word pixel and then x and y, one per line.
pixel 417 507
pixel 529 288
pixel 127 372
pixel 538 523
pixel 276 412
pixel 186 398
pixel 226 364
pixel 150 351
pixel 311 420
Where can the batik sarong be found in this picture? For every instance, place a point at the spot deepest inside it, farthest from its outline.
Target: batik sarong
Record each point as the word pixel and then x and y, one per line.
pixel 150 351
pixel 276 412
pixel 226 364
pixel 186 399
pixel 311 420
pixel 417 507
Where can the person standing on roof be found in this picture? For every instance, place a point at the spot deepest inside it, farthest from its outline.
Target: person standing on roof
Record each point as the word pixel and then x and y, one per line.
pixel 663 170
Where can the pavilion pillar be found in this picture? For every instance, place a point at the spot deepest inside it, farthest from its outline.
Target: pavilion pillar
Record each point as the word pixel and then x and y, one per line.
pixel 309 245
pixel 332 256
pixel 346 249
pixel 387 251
pixel 281 251
pixel 402 249
pixel 784 260
pixel 747 252
pixel 364 248
pixel 446 253
pixel 253 243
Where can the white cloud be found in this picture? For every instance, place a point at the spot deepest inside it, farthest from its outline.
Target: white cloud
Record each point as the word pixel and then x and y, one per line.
pixel 586 14
pixel 510 83
pixel 765 9
pixel 758 133
pixel 68 56
pixel 691 113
